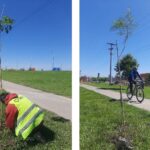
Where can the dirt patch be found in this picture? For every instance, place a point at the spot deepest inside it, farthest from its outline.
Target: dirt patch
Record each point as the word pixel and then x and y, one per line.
pixel 122 139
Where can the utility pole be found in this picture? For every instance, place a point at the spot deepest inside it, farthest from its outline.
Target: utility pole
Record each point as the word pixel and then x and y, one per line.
pixel 53 63
pixel 111 48
pixel 98 77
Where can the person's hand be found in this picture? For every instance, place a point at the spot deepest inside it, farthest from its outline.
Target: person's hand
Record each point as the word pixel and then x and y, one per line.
pixel 134 81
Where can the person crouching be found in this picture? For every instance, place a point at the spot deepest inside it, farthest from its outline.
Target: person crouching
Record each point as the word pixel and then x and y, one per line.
pixel 21 115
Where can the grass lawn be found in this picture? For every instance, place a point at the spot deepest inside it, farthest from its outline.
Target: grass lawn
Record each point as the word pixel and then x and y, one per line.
pixel 115 87
pixel 100 123
pixel 57 131
pixel 49 81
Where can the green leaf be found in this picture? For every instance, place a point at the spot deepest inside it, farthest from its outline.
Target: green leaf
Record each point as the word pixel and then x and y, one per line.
pixel 6 24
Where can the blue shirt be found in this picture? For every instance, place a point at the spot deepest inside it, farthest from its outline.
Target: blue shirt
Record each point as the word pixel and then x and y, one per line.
pixel 133 75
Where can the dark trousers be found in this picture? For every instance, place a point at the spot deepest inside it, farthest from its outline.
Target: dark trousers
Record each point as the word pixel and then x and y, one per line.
pixel 37 129
pixel 131 85
pixel 37 135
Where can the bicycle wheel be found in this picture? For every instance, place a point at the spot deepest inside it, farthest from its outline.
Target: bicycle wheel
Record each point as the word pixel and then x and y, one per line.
pixel 129 94
pixel 140 94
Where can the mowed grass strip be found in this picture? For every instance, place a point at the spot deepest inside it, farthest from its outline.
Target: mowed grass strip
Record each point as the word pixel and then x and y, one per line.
pixel 100 122
pixel 57 132
pixel 58 82
pixel 116 88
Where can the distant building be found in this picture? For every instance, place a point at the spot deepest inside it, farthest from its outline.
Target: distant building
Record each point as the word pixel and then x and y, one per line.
pixel 22 69
pixel 32 69
pixel 145 76
pixel 84 79
pixel 11 69
pixel 56 69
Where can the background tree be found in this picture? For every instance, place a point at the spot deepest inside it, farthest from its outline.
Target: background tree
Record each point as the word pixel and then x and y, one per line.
pixel 126 64
pixel 147 78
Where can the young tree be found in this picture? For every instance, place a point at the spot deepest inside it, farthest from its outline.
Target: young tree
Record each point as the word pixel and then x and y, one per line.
pixel 126 64
pixel 124 26
pixel 5 26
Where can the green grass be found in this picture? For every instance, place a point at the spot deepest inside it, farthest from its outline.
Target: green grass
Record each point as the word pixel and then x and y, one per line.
pixel 57 131
pixel 115 87
pixel 49 81
pixel 100 123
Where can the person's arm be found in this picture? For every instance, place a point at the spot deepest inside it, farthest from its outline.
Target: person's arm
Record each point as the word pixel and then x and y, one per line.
pixel 11 116
pixel 132 75
pixel 139 76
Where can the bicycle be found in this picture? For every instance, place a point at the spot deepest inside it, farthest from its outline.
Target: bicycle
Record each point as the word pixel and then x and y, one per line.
pixel 137 90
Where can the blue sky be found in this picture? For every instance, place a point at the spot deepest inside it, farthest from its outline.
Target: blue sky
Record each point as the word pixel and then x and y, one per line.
pixel 96 18
pixel 42 31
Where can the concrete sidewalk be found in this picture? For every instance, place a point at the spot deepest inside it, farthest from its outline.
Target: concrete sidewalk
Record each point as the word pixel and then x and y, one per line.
pixel 51 102
pixel 116 95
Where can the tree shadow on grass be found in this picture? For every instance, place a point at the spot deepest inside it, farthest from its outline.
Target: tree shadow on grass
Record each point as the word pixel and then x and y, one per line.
pixel 125 99
pixel 115 89
pixel 134 102
pixel 60 119
pixel 118 100
pixel 113 100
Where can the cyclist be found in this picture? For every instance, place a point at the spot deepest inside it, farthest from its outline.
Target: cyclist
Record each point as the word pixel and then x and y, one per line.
pixel 132 77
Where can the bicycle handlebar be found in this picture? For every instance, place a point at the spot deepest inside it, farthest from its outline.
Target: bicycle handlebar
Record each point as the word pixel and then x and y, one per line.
pixel 140 83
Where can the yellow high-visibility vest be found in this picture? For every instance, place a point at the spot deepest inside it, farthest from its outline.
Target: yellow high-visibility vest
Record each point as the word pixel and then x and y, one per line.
pixel 29 116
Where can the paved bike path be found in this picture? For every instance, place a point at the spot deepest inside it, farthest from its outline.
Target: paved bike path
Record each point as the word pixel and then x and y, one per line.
pixel 60 105
pixel 116 95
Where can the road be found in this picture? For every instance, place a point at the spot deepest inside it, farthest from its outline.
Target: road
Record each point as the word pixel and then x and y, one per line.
pixel 60 105
pixel 115 95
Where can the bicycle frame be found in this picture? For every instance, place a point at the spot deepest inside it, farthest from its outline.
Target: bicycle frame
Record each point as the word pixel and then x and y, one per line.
pixel 135 90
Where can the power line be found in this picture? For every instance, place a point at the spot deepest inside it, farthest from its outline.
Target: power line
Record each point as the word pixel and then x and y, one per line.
pixel 141 29
pixel 143 18
pixel 143 26
pixel 36 11
pixel 2 11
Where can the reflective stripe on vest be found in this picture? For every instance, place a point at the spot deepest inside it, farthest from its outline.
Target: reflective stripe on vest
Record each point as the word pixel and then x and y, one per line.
pixel 30 121
pixel 25 114
pixel 29 116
